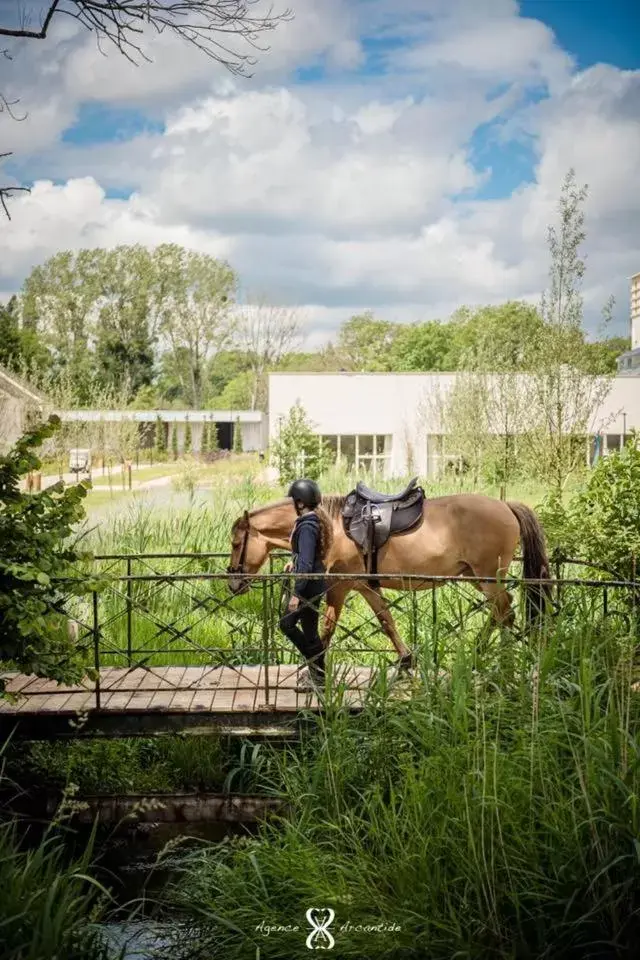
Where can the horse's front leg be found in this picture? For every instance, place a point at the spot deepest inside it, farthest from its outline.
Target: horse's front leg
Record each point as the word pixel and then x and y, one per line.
pixel 378 604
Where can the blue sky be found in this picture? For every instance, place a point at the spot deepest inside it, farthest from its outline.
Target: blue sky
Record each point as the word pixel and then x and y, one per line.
pixel 396 155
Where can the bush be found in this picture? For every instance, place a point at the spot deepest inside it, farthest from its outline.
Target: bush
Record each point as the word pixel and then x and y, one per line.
pixel 601 524
pixel 34 551
pixel 298 451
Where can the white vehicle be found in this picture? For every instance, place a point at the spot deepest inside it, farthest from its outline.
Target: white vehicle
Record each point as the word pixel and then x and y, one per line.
pixel 80 461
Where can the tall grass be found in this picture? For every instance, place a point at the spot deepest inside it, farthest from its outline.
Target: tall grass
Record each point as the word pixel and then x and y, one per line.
pixel 492 819
pixel 49 906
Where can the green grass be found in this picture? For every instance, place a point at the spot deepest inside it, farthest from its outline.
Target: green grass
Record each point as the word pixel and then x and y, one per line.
pixel 497 819
pixel 163 764
pixel 49 905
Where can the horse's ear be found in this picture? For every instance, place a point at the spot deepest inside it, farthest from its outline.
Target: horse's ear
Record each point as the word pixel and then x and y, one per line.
pixel 245 518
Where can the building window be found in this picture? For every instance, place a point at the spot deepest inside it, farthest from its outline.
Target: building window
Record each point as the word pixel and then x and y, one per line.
pixel 366 453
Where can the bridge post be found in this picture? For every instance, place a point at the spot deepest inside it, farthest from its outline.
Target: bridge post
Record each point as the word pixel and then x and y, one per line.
pixel 265 638
pixel 434 624
pixel 129 610
pixel 96 647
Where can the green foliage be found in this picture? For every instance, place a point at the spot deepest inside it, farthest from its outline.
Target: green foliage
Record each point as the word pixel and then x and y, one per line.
pixel 160 443
pixel 21 349
pixel 236 394
pixel 237 436
pixel 223 367
pixel 174 440
pixel 601 355
pixel 209 443
pixel 34 550
pixel 11 355
pixel 49 906
pixel 193 306
pixel 124 765
pixel 495 820
pixel 423 346
pixel 297 451
pixel 364 343
pixel 601 524
pixel 188 442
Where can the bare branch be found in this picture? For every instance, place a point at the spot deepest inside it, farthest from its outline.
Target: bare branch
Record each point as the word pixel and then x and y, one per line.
pixel 199 22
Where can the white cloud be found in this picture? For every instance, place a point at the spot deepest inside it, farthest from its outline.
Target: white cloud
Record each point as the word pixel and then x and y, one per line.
pixel 352 193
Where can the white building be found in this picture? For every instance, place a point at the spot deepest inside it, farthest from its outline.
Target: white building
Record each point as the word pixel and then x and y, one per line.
pixel 629 362
pixel 389 423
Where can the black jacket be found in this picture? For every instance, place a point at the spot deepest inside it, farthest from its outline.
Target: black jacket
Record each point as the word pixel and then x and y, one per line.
pixel 305 544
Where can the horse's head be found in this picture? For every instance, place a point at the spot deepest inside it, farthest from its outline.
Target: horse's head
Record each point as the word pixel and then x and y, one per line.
pixel 252 538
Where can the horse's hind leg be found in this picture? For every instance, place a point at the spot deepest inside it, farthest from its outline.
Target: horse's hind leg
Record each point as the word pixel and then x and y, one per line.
pixel 379 606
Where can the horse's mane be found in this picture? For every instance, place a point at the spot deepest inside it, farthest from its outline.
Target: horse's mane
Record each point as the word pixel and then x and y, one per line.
pixel 269 506
pixel 333 504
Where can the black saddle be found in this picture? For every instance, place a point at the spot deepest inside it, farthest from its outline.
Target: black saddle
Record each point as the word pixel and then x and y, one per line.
pixel 371 518
pixel 365 493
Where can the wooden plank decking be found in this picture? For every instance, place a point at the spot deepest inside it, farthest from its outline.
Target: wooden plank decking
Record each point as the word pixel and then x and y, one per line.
pixel 147 701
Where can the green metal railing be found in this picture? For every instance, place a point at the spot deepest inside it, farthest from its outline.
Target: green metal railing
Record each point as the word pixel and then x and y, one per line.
pixel 164 609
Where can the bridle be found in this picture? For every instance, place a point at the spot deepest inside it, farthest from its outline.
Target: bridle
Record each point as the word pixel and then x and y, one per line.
pixel 243 551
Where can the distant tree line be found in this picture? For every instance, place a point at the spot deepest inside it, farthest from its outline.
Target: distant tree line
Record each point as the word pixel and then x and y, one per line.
pixel 163 328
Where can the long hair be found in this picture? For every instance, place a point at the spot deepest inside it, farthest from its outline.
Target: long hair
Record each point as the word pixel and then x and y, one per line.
pixel 326 532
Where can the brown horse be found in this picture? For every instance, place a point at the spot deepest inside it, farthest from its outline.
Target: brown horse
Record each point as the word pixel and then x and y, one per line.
pixel 461 534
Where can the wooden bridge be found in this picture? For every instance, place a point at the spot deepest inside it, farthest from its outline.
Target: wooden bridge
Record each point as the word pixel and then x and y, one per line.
pixel 171 649
pixel 148 701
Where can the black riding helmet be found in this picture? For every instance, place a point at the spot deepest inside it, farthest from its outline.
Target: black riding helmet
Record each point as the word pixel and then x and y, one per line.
pixel 306 491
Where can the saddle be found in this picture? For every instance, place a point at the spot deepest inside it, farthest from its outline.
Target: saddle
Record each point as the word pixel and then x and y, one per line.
pixel 370 519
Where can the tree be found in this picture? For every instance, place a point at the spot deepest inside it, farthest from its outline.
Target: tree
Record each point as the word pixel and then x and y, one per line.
pixel 10 340
pixel 160 438
pixel 495 338
pixel 298 451
pixel 237 436
pixel 174 440
pixel 237 394
pixel 127 24
pixel 123 330
pixel 364 343
pixel 60 298
pixel 35 549
pixel 223 367
pixel 193 295
pixel 265 333
pixel 213 444
pixel 601 355
pixel 564 392
pixel 422 346
pixel 187 437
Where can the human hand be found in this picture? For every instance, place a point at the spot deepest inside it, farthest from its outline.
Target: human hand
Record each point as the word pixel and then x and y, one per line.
pixel 288 567
pixel 294 603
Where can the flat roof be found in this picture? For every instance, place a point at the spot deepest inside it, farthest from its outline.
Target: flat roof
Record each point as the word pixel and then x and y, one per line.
pixel 146 416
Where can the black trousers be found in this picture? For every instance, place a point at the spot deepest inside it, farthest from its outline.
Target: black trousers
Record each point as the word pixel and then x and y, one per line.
pixel 301 627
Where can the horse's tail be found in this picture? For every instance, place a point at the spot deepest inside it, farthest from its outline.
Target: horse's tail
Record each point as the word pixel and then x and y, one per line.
pixel 535 560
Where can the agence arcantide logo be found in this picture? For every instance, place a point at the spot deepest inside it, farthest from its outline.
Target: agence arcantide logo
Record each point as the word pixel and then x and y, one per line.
pixel 320 920
pixel 323 931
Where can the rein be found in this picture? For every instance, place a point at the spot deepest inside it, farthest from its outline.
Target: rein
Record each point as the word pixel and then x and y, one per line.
pixel 243 555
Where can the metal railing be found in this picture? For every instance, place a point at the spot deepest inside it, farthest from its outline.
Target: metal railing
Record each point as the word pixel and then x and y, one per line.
pixel 158 610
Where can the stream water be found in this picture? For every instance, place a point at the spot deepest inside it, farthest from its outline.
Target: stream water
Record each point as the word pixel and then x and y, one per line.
pixel 128 864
